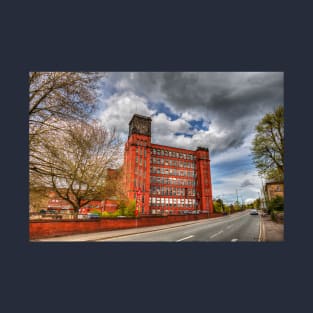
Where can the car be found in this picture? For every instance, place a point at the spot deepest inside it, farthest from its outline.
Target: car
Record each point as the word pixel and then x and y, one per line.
pixel 254 212
pixel 92 215
pixel 54 214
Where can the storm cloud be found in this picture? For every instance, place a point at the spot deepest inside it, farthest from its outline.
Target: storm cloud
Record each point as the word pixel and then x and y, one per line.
pixel 229 103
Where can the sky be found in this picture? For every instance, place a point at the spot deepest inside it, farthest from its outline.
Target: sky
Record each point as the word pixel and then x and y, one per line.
pixel 217 110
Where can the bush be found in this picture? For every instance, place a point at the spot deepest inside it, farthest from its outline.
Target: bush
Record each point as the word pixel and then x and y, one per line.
pixel 277 216
pixel 105 214
pixel 124 209
pixel 276 204
pixel 131 207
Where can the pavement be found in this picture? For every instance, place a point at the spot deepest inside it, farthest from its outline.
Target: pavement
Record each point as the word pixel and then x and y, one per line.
pixel 271 231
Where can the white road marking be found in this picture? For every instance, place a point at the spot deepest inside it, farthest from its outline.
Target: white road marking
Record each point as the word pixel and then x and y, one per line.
pixel 235 239
pixel 221 231
pixel 184 238
pixel 229 226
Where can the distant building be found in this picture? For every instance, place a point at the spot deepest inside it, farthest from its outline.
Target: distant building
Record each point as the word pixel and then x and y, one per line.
pixel 167 179
pixel 274 189
pixel 60 205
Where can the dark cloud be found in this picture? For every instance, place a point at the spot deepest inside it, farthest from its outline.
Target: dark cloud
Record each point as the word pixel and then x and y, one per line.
pixel 233 101
pixel 246 183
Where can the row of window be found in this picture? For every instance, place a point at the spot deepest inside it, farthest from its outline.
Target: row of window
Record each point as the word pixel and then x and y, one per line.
pixel 171 181
pixel 172 202
pixel 172 171
pixel 175 163
pixel 141 151
pixel 173 154
pixel 141 143
pixel 172 191
pixel 141 161
pixel 140 171
pixel 139 184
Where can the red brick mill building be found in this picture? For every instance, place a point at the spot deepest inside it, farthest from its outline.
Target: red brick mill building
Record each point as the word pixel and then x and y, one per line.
pixel 170 180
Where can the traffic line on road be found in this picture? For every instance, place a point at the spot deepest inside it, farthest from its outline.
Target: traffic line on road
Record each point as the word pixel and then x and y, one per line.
pixel 233 240
pixel 184 238
pixel 216 234
pixel 229 226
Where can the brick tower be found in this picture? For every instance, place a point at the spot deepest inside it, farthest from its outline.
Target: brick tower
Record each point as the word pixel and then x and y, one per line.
pixel 203 181
pixel 137 160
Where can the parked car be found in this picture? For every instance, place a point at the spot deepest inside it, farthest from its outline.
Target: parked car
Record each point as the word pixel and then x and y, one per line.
pixel 254 212
pixel 54 214
pixel 92 215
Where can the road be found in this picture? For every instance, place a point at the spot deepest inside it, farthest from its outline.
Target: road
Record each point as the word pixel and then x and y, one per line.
pixel 237 227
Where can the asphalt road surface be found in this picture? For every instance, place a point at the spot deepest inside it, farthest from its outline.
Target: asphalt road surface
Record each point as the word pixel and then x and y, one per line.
pixel 238 227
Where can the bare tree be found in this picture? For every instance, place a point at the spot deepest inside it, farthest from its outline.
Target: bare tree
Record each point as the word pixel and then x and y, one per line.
pixel 74 162
pixel 55 96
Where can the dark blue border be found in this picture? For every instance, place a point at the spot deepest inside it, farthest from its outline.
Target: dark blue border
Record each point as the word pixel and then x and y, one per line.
pixel 239 36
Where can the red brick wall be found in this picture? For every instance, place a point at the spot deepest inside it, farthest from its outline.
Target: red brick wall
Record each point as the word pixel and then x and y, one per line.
pixel 45 229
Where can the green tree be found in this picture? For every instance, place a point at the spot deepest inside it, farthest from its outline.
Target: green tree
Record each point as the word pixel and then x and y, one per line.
pixel 268 145
pixel 237 206
pixel 218 206
pixel 257 203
